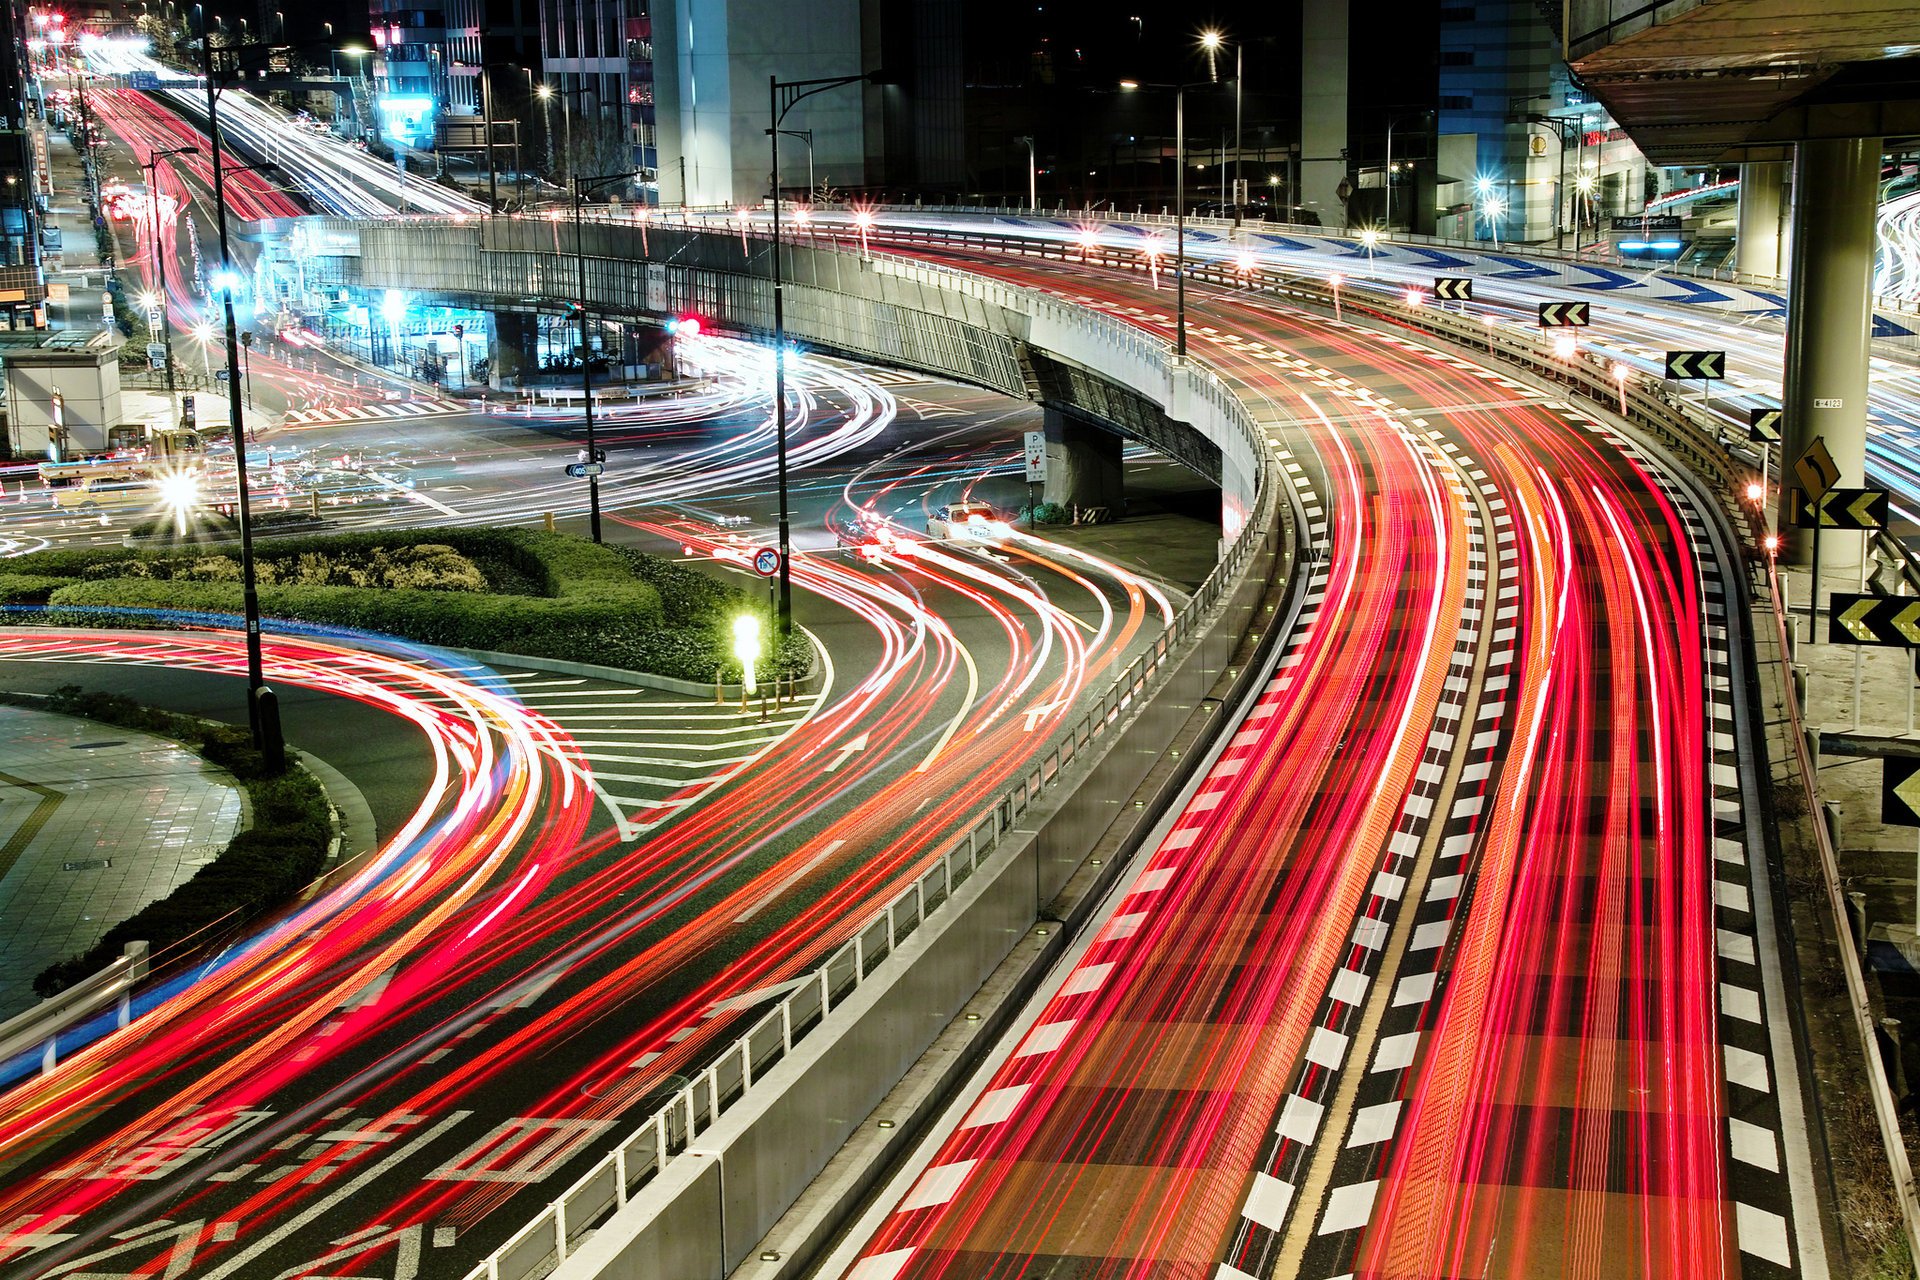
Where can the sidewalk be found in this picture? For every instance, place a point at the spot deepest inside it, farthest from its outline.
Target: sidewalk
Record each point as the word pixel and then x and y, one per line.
pixel 97 822
pixel 81 268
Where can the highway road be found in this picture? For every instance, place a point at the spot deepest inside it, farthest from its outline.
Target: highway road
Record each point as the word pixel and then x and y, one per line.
pixel 1458 960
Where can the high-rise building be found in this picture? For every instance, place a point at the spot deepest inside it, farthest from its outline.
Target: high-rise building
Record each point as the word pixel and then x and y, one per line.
pixel 22 290
pixel 596 61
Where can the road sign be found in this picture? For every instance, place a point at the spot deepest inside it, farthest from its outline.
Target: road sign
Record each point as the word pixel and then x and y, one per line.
pixel 585 470
pixel 156 355
pixel 1892 621
pixel 766 561
pixel 1763 425
pixel 1816 469
pixel 1566 315
pixel 1696 364
pixel 1036 454
pixel 1841 509
pixel 144 81
pixel 1900 792
pixel 1453 288
pixel 223 375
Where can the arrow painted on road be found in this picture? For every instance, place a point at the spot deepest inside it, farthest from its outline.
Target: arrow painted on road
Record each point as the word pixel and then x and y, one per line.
pixel 846 749
pixel 1035 714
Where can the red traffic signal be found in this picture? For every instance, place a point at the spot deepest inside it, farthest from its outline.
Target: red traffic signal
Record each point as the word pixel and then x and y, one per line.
pixel 683 326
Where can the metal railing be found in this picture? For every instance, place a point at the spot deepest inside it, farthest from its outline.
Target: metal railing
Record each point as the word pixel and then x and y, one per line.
pixel 40 1027
pixel 643 1154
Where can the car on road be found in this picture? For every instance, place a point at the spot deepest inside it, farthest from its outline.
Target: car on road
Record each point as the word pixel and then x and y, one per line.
pixel 861 530
pixel 975 521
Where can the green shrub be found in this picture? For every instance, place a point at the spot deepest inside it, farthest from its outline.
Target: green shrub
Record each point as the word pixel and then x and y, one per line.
pixel 553 596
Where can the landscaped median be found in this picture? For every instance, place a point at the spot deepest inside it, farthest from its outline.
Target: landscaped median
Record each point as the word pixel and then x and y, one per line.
pixel 502 590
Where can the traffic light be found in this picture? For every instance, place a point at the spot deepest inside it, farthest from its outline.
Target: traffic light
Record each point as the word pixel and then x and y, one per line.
pixel 459 330
pixel 683 326
pixel 599 455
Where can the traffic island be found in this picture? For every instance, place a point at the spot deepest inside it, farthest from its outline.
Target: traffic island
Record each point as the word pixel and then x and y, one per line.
pixel 497 590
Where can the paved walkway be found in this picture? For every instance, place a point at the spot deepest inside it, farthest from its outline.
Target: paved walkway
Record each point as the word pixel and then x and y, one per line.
pixel 97 822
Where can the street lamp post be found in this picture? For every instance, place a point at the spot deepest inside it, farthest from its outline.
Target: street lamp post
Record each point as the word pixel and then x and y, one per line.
pixel 262 709
pixel 782 96
pixel 581 186
pixel 1212 41
pixel 806 136
pixel 159 266
pixel 566 97
pixel 1387 176
pixel 1033 175
pixel 1179 205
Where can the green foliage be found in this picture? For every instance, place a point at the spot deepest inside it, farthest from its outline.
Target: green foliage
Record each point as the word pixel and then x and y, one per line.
pixel 541 594
pixel 280 854
pixel 1048 513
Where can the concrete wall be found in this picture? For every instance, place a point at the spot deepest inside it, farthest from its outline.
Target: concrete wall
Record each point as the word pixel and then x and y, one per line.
pixel 89 387
pixel 1324 43
pixel 712 61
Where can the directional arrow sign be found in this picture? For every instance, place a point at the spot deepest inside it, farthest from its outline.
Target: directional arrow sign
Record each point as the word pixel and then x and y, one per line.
pixel 1816 469
pixel 1696 364
pixel 1842 509
pixel 1900 792
pixel 1566 315
pixel 1763 425
pixel 1890 621
pixel 1453 288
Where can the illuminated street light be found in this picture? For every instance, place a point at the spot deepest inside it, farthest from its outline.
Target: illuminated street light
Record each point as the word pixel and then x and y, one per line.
pixel 1333 283
pixel 746 647
pixel 179 494
pixel 863 219
pixel 1620 372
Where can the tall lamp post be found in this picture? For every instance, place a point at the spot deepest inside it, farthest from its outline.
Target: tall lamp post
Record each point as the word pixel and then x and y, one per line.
pixel 159 266
pixel 1212 41
pixel 1033 174
pixel 581 187
pixel 782 96
pixel 566 97
pixel 1179 204
pixel 263 715
pixel 806 136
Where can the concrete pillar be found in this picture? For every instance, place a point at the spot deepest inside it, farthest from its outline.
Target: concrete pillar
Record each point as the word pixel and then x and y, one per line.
pixel 1756 244
pixel 1836 187
pixel 515 349
pixel 1083 465
pixel 1324 40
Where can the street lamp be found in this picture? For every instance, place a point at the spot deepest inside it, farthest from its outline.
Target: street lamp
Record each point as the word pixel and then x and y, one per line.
pixel 782 97
pixel 159 267
pixel 1492 208
pixel 566 96
pixel 1212 41
pixel 1033 174
pixel 806 136
pixel 1179 204
pixel 581 186
pixel 262 708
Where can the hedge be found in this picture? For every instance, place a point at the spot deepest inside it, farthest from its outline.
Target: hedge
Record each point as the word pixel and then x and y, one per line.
pixel 551 596
pixel 261 867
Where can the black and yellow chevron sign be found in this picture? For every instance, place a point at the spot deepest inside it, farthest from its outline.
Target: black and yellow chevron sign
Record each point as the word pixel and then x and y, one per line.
pixel 1566 315
pixel 1763 425
pixel 1890 621
pixel 1697 364
pixel 1453 288
pixel 1900 792
pixel 1841 509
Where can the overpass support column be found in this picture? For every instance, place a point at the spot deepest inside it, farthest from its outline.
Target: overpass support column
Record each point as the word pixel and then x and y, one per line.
pixel 1083 465
pixel 516 347
pixel 1756 245
pixel 1836 185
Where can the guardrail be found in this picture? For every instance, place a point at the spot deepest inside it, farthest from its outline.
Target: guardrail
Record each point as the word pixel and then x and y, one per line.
pixel 643 1154
pixel 41 1026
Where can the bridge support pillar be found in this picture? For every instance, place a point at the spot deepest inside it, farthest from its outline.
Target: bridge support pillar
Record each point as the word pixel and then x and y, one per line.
pixel 1083 465
pixel 1836 188
pixel 515 349
pixel 1756 245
